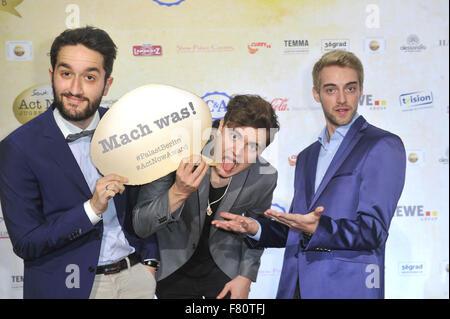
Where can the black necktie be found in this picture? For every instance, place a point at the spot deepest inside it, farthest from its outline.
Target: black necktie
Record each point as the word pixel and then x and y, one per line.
pixel 74 137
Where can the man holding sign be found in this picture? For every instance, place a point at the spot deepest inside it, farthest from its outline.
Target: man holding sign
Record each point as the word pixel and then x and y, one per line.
pixel 70 225
pixel 197 259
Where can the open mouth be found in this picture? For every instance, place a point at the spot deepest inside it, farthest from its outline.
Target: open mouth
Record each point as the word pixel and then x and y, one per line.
pixel 228 165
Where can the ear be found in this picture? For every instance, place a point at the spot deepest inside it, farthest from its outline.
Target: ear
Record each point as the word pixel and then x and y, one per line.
pixel 109 81
pixel 50 72
pixel 316 95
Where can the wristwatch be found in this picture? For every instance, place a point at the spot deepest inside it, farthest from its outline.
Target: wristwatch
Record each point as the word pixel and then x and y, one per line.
pixel 307 235
pixel 152 263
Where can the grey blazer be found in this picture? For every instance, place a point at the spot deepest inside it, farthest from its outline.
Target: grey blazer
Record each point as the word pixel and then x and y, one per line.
pixel 249 194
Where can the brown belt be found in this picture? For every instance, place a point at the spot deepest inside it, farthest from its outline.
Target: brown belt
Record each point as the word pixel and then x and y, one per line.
pixel 117 267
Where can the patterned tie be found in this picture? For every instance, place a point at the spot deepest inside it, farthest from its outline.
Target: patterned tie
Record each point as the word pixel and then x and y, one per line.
pixel 73 137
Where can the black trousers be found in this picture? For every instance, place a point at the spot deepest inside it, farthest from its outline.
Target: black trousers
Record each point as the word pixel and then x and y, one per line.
pixel 179 285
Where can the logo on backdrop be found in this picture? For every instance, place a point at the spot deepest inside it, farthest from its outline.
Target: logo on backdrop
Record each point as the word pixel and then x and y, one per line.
pixel 374 45
pixel 168 3
pixel 256 46
pixel 335 44
pixel 204 48
pixel 416 100
pixel 296 46
pixel 292 160
pixel 3 231
pixel 16 281
pixel 372 103
pixel 415 158
pixel 147 49
pixel 19 51
pixel 411 268
pixel 416 212
pixel 9 6
pixel 279 104
pixel 32 102
pixel 217 102
pixel 413 44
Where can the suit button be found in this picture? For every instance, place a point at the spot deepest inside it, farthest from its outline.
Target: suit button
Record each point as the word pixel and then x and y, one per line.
pixel 193 246
pixel 296 255
pixel 91 269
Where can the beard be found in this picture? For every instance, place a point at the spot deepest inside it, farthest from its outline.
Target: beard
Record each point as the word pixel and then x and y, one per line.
pixel 91 108
pixel 337 121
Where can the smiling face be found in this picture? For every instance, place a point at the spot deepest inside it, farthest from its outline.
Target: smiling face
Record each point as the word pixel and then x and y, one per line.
pixel 240 147
pixel 339 93
pixel 78 81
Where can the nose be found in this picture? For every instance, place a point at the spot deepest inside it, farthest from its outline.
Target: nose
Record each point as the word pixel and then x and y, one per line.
pixel 341 97
pixel 76 87
pixel 240 151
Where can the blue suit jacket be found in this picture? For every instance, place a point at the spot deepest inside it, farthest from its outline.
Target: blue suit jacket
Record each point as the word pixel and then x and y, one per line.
pixel 42 191
pixel 345 256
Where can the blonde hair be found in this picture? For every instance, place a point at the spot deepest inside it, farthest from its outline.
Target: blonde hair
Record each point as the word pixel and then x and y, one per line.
pixel 339 58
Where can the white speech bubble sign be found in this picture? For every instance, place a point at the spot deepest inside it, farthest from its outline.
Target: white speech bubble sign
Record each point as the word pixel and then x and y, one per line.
pixel 146 133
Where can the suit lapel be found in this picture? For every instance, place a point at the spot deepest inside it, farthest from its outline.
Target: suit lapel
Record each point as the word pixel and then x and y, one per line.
pixel 350 140
pixel 234 190
pixel 59 151
pixel 308 169
pixel 203 195
pixel 120 207
pixel 236 185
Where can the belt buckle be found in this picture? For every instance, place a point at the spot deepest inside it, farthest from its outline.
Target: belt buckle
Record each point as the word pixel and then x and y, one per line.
pixel 112 268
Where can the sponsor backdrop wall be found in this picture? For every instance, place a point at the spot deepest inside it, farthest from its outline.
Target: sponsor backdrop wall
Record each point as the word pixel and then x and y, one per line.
pixel 216 48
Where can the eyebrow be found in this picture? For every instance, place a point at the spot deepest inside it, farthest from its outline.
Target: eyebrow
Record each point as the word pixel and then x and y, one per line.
pixel 332 84
pixel 67 66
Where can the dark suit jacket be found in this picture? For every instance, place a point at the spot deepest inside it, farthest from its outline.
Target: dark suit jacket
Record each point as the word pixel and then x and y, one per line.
pixel 42 191
pixel 360 190
pixel 250 193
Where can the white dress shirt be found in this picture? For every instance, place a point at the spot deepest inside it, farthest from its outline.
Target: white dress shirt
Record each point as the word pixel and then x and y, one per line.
pixel 114 245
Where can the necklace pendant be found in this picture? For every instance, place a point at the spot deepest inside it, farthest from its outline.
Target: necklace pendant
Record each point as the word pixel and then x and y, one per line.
pixel 208 210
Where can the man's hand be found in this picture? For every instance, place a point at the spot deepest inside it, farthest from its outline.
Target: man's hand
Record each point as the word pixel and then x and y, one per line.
pixel 306 223
pixel 151 269
pixel 186 181
pixel 237 223
pixel 239 288
pixel 106 188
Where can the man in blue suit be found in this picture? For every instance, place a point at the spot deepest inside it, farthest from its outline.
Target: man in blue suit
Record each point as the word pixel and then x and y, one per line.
pixel 70 225
pixel 349 181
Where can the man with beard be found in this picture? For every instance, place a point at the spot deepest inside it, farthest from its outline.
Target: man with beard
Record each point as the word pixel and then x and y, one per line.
pixel 198 260
pixel 346 189
pixel 71 225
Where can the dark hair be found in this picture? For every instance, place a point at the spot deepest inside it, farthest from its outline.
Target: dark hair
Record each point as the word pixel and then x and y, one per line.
pixel 252 111
pixel 92 38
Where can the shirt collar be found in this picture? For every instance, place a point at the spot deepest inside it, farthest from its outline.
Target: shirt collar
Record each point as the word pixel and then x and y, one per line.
pixel 340 132
pixel 68 128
